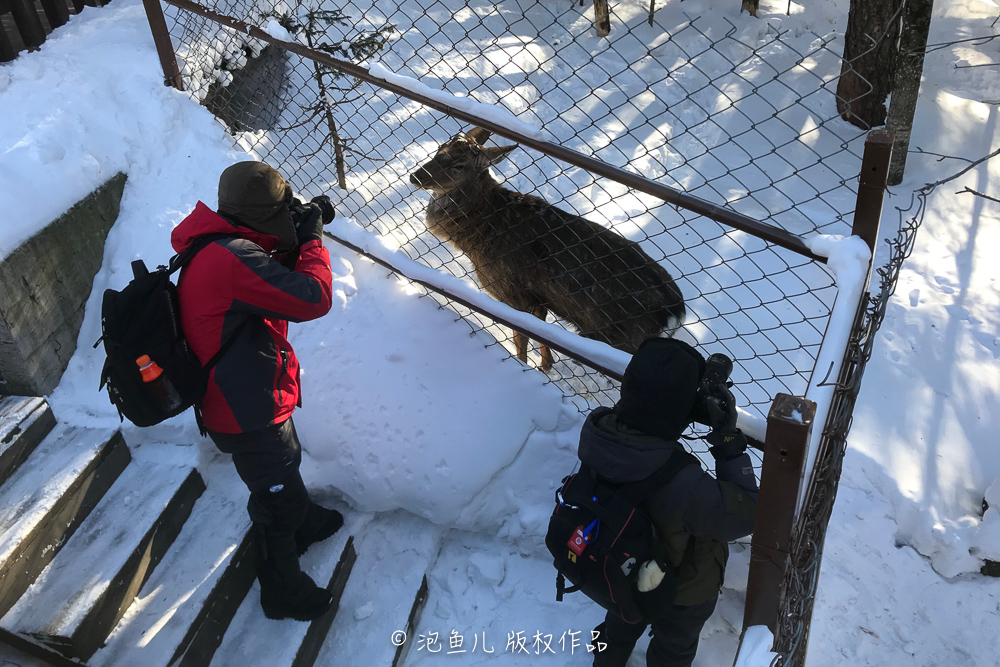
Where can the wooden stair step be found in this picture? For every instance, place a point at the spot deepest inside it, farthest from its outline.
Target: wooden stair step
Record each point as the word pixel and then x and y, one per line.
pixel 46 500
pixel 183 610
pixel 250 639
pixel 24 423
pixel 84 592
pixel 386 592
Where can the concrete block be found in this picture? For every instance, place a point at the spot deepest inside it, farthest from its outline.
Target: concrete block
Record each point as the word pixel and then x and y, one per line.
pixel 44 285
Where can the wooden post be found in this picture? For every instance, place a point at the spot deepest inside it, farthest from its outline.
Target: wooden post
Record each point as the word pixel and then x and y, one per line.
pixel 906 84
pixel 56 11
pixel 871 186
pixel 28 23
pixel 602 18
pixel 789 425
pixel 164 48
pixel 7 52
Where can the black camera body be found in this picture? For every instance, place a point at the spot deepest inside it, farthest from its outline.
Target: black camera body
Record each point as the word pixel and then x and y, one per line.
pixel 718 368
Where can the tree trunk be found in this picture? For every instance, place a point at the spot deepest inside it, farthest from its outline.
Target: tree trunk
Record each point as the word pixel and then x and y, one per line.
pixel 338 143
pixel 870 48
pixel 602 17
pixel 909 68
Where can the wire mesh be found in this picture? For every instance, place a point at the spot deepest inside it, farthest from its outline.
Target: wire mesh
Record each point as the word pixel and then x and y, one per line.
pixel 743 121
pixel 745 118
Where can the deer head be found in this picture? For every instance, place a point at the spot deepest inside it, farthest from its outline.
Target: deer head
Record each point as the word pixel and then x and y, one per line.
pixel 458 161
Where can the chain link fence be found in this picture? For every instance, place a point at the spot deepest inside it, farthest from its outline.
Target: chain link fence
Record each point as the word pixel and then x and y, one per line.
pixel 740 116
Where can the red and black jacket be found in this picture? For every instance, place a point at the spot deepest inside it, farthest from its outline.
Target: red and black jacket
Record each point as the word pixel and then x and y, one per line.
pixel 256 383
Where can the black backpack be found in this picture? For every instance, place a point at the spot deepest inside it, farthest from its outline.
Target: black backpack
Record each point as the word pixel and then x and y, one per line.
pixel 144 319
pixel 600 537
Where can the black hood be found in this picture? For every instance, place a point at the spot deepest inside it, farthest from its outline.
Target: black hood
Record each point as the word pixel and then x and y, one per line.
pixel 618 454
pixel 660 387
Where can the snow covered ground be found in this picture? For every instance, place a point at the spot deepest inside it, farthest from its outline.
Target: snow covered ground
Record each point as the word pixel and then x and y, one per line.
pixel 404 410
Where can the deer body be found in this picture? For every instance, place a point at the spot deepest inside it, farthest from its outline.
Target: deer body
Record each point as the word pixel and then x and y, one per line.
pixel 537 258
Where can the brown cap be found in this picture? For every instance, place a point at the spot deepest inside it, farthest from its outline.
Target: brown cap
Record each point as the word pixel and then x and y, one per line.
pixel 254 194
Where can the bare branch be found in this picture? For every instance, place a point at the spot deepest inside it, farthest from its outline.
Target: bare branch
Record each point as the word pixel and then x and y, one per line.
pixel 978 194
pixel 940 157
pixel 931 186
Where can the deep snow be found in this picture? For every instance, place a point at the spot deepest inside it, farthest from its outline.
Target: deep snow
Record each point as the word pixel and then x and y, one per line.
pixel 404 409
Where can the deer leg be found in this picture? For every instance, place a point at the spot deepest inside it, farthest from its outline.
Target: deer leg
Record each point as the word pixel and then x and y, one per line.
pixel 541 312
pixel 521 346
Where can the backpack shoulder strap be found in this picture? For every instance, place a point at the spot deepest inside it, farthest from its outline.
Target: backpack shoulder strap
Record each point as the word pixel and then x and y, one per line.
pixel 186 255
pixel 637 492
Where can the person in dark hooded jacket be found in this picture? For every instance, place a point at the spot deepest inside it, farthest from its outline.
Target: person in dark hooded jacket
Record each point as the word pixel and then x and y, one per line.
pixel 270 269
pixel 694 513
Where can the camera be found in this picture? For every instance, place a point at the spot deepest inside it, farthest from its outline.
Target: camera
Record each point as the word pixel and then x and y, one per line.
pixel 718 368
pixel 298 212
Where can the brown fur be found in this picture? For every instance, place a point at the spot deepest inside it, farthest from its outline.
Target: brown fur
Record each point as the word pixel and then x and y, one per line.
pixel 537 258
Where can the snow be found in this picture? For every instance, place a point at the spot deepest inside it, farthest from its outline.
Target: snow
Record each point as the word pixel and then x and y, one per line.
pixel 276 30
pixel 849 259
pixel 491 112
pixel 755 650
pixel 408 415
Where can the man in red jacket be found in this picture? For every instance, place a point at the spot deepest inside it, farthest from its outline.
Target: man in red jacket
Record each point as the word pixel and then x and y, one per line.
pixel 270 269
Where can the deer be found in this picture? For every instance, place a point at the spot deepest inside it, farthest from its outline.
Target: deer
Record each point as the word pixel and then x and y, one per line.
pixel 537 258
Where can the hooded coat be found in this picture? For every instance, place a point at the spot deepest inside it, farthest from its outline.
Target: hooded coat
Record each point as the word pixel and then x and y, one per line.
pixel 256 382
pixel 695 514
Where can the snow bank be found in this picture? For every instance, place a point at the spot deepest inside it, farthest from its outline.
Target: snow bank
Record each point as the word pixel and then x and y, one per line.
pixel 403 408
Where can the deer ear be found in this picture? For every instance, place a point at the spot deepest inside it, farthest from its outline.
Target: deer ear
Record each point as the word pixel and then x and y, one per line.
pixel 479 135
pixel 497 153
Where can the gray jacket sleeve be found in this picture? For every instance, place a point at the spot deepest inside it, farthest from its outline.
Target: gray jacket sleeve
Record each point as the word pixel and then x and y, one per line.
pixel 719 508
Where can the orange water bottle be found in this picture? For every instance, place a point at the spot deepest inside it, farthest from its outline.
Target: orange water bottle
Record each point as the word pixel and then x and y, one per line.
pixel 159 386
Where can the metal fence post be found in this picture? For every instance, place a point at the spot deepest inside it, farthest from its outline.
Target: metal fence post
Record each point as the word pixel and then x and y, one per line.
pixel 871 186
pixel 164 48
pixel 789 425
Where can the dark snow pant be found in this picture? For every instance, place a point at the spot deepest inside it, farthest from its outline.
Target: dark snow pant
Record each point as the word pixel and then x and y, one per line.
pixel 676 631
pixel 268 463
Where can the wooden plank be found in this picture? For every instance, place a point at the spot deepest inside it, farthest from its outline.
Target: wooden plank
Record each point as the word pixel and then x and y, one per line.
pixel 28 22
pixel 419 602
pixel 73 608
pixel 56 11
pixel 205 634
pixel 43 540
pixel 318 629
pixel 24 423
pixel 7 50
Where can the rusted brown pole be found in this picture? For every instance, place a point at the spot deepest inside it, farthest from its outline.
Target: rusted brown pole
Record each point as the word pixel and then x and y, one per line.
pixel 164 48
pixel 871 186
pixel 789 424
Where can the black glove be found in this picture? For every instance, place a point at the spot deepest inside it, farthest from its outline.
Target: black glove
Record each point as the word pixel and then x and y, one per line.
pixel 308 223
pixel 727 441
pixel 326 206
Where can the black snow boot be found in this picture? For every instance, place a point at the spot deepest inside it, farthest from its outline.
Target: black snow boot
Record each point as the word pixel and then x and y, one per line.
pixel 319 524
pixel 285 590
